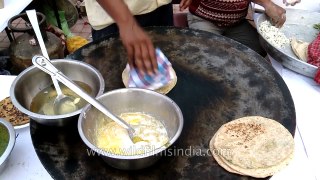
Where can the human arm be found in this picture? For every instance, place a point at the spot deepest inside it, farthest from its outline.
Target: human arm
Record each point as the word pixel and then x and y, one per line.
pixel 139 47
pixel 275 12
pixel 184 4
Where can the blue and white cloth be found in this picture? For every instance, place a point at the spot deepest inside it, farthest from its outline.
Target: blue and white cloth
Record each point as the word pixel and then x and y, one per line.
pixel 156 81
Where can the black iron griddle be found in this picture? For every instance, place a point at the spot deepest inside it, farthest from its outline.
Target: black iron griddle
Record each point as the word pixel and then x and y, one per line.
pixel 218 80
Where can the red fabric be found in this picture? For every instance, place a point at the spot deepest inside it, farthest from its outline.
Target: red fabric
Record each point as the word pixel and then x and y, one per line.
pixel 222 13
pixel 317 76
pixel 314 56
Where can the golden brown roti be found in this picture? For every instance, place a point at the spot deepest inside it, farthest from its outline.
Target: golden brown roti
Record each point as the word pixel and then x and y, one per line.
pixel 256 146
pixel 9 112
pixel 300 49
pixel 215 153
pixel 163 90
pixel 260 172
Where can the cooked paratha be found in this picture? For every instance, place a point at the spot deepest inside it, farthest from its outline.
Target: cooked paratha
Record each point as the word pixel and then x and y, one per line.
pixel 300 49
pixel 258 146
pixel 9 112
pixel 215 153
pixel 259 172
pixel 163 90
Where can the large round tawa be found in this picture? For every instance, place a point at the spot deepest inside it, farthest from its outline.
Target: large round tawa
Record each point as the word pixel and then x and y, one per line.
pixel 218 80
pixel 299 24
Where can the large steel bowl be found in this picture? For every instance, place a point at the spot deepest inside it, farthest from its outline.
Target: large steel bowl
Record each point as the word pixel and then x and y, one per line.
pixel 12 139
pixel 132 100
pixel 299 24
pixel 32 80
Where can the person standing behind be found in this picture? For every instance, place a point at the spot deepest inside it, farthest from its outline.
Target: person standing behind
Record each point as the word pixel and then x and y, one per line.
pixel 228 18
pixel 127 17
pixel 313 5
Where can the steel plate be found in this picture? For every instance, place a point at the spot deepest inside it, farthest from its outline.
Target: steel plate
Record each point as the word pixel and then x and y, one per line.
pixel 299 24
pixel 218 80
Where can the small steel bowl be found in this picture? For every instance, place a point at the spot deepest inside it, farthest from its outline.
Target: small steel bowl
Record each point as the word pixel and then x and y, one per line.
pixel 12 139
pixel 132 100
pixel 32 80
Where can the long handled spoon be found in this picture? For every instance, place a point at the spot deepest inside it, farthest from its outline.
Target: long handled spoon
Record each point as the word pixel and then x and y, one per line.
pixel 61 100
pixel 46 66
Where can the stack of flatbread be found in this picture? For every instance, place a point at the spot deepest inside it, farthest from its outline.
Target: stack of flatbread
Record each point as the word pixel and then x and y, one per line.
pixel 10 113
pixel 300 49
pixel 252 146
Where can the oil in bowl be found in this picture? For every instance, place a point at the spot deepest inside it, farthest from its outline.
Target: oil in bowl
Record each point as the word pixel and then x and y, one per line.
pixel 43 102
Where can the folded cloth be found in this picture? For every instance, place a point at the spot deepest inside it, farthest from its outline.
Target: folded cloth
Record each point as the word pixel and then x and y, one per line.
pixel 314 56
pixel 152 82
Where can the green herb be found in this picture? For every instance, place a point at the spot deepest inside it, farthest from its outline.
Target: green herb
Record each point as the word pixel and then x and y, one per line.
pixel 317 26
pixel 4 139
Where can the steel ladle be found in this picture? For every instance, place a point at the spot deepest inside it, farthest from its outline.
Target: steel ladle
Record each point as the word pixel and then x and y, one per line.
pixel 46 66
pixel 61 101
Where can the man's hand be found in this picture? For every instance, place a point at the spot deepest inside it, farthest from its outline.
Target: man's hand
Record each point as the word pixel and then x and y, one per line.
pixel 184 4
pixel 276 13
pixel 140 50
pixel 291 2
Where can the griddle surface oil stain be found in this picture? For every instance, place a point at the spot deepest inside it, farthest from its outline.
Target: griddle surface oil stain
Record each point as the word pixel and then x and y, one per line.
pixel 201 92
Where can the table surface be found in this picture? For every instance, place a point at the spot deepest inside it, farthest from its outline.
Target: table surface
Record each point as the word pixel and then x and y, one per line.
pixel 11 8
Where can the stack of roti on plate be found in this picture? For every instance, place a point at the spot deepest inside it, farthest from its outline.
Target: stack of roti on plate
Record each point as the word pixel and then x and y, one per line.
pixel 253 146
pixel 10 113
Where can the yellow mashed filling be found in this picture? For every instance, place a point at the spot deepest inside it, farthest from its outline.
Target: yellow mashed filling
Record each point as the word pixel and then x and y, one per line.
pixel 150 134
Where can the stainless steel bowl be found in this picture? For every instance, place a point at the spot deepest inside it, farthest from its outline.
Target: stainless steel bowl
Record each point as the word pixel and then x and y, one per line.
pixel 132 100
pixel 12 139
pixel 32 80
pixel 299 24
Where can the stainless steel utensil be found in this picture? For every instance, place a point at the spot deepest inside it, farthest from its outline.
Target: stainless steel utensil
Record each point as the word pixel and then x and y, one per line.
pixel 61 99
pixel 27 85
pixel 12 139
pixel 46 66
pixel 157 105
pixel 299 24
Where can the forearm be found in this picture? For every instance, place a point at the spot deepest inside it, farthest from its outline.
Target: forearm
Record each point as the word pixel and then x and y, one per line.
pixel 263 3
pixel 276 13
pixel 118 10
